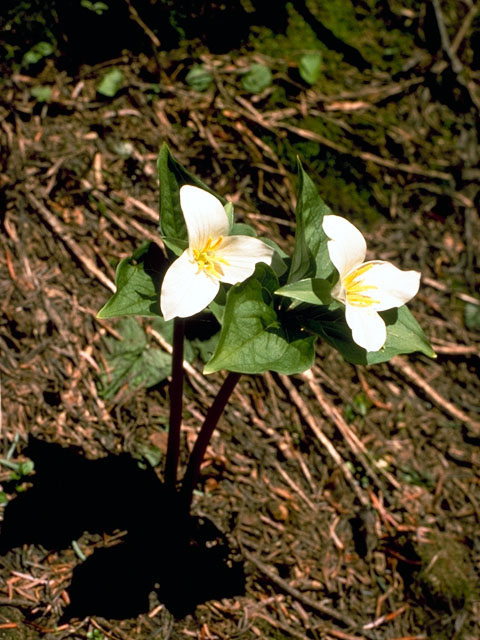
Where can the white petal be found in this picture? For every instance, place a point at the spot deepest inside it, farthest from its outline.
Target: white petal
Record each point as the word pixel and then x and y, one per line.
pixel 185 290
pixel 346 246
pixel 393 287
pixel 204 216
pixel 368 328
pixel 242 254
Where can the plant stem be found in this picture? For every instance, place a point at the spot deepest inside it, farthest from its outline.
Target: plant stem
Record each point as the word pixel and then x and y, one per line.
pixel 192 473
pixel 176 404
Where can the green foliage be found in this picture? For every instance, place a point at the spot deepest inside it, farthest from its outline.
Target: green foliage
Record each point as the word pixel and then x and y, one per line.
pixel 472 316
pixel 257 78
pixel 310 67
pixel 41 50
pixel 97 7
pixel 310 290
pixel 137 285
pixel 110 83
pixel 19 472
pixel 172 175
pixel 310 255
pixel 41 93
pixel 132 361
pixel 404 334
pixel 260 331
pixel 254 337
pixel 199 78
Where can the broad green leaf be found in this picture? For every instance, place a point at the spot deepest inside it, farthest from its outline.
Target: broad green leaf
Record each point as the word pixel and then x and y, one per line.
pixel 279 258
pixel 138 281
pixel 253 337
pixel 217 306
pixel 176 246
pixel 242 229
pixel 172 175
pixel 310 255
pixel 310 67
pixel 199 78
pixel 404 334
pixel 311 290
pixel 110 83
pixel 257 78
pixel 131 361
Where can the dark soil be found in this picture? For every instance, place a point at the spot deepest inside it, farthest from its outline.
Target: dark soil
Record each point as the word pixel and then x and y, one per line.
pixel 341 504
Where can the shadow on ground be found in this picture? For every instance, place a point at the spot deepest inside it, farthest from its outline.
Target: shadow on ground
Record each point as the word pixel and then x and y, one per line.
pixel 186 560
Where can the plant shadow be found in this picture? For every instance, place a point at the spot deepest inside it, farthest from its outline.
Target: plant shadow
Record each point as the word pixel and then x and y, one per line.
pixel 186 560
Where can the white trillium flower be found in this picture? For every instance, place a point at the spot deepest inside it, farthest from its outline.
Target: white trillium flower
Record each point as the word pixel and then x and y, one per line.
pixel 365 287
pixel 192 281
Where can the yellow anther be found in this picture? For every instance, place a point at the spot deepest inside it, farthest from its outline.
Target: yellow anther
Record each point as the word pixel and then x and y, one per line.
pixel 208 261
pixel 355 288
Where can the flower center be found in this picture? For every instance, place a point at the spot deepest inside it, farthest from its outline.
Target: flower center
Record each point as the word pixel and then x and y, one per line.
pixel 356 289
pixel 208 260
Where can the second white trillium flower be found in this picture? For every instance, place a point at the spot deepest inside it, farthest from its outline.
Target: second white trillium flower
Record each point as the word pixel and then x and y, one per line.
pixel 192 281
pixel 365 287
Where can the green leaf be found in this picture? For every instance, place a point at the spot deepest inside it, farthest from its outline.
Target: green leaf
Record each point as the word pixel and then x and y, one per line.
pixel 37 52
pixel 310 255
pixel 404 334
pixel 242 229
pixel 311 290
pixel 217 306
pixel 199 78
pixel 172 175
pixel 138 281
pixel 258 78
pixel 131 361
pixel 472 316
pixel 42 93
pixel 310 67
pixel 110 83
pixel 25 468
pixel 151 454
pixel 229 211
pixel 253 338
pixel 176 246
pixel 278 260
pixel 97 7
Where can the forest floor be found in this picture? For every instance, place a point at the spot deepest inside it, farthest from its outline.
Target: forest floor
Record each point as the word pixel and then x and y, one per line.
pixel 343 503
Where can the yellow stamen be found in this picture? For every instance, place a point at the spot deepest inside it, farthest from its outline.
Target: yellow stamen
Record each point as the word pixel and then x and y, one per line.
pixel 355 288
pixel 207 259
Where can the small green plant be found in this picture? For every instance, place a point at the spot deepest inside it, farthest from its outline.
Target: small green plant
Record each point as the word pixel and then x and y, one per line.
pixel 472 316
pixel 270 307
pixel 132 361
pixel 20 471
pixel 111 83
pixel 199 78
pixel 310 67
pixel 97 7
pixel 41 93
pixel 257 78
pixel 37 52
